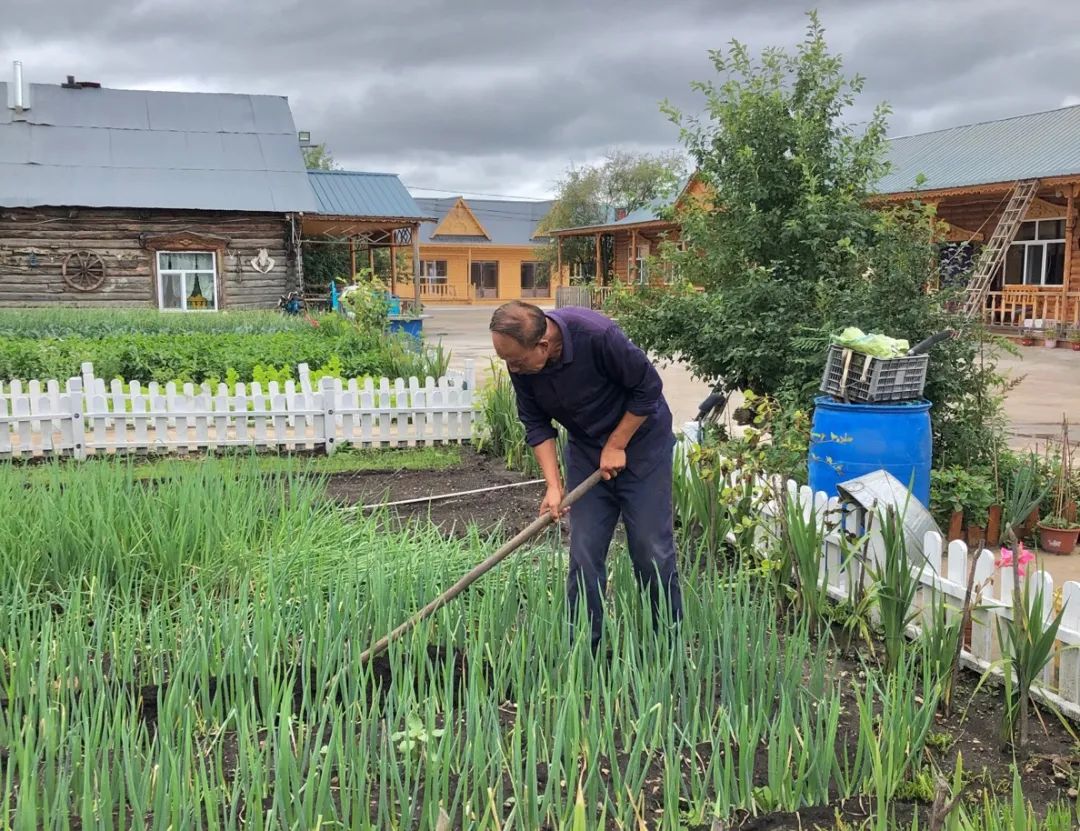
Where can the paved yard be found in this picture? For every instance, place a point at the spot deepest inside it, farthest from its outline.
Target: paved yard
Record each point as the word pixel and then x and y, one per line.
pixel 1049 388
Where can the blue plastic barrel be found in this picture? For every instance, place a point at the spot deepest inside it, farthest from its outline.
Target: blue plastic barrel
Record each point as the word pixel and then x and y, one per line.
pixel 410 326
pixel 851 440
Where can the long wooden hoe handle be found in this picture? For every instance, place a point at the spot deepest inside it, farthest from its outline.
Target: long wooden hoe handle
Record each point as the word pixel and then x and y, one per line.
pixel 480 570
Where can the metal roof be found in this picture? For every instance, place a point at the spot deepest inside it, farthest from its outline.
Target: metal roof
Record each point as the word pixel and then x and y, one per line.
pixel 1036 146
pixel 356 194
pixel 508 222
pixel 121 148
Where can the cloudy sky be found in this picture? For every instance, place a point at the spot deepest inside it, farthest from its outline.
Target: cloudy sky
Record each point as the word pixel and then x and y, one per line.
pixel 500 96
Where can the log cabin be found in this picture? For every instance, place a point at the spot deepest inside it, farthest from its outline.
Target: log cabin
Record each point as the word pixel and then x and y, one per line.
pixel 131 198
pixel 1006 192
pixel 483 251
pixel 625 247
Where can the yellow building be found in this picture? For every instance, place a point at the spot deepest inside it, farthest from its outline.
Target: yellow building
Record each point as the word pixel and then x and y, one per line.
pixel 483 251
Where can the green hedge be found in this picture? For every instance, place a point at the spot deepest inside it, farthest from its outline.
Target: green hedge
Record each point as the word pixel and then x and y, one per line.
pixel 161 347
pixel 189 357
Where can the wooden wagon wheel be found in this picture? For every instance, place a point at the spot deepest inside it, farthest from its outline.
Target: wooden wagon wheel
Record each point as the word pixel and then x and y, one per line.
pixel 84 270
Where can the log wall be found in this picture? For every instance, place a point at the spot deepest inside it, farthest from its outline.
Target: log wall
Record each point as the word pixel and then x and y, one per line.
pixel 34 243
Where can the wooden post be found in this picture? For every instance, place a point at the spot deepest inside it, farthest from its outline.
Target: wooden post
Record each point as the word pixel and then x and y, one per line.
pixel 631 260
pixel 468 275
pixel 352 258
pixel 558 260
pixel 393 265
pixel 1070 242
pixel 371 258
pixel 599 277
pixel 416 263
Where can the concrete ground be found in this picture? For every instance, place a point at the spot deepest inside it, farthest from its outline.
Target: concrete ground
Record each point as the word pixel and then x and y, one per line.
pixel 1049 386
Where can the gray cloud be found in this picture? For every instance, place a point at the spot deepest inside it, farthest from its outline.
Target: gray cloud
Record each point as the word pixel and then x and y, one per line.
pixel 500 97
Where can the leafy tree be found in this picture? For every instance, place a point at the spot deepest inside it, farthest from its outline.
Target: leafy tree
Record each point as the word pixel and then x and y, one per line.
pixel 593 194
pixel 319 157
pixel 790 249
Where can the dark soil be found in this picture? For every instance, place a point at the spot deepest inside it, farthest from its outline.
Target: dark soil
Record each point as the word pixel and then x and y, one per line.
pixel 508 509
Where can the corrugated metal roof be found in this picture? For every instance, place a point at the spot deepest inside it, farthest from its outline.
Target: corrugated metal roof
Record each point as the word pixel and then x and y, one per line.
pixel 1036 146
pixel 357 194
pixel 120 148
pixel 508 222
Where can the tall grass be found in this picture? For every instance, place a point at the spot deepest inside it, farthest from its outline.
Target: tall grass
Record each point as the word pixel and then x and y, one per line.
pixel 233 607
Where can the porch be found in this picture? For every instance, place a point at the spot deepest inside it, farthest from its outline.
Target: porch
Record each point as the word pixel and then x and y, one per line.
pixel 366 222
pixel 1016 308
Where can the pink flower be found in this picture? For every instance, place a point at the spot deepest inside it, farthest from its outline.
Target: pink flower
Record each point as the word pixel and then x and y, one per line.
pixel 1006 559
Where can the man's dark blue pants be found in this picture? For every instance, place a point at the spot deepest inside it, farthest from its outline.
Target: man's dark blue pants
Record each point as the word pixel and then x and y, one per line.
pixel 644 502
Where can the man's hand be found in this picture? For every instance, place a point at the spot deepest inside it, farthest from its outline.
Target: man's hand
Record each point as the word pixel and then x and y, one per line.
pixel 612 461
pixel 552 500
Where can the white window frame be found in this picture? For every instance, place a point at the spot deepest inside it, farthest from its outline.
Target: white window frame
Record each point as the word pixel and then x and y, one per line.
pixel 429 272
pixel 212 274
pixel 1028 244
pixel 641 264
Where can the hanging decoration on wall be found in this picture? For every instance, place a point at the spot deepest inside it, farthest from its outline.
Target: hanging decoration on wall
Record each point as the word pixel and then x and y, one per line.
pixel 83 270
pixel 263 263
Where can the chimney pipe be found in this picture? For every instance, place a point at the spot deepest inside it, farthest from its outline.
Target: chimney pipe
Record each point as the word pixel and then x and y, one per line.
pixel 18 86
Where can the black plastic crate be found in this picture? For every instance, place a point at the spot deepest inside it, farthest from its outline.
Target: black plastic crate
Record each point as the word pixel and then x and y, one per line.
pixel 873 380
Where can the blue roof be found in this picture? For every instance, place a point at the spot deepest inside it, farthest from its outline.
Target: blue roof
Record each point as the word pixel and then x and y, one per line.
pixel 1036 146
pixel 120 148
pixel 356 194
pixel 508 222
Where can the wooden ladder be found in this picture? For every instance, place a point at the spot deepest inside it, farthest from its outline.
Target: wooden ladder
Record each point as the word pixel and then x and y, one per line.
pixel 993 254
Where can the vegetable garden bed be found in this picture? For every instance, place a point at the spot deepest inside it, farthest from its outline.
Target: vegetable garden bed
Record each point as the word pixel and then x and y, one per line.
pixel 186 655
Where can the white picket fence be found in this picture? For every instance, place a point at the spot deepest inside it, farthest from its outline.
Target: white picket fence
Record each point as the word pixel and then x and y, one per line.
pixel 85 416
pixel 943 570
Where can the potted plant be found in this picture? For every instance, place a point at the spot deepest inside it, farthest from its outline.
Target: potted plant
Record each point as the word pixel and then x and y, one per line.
pixel 963 501
pixel 1074 338
pixel 1058 535
pixel 1050 336
pixel 1059 531
pixel 1027 337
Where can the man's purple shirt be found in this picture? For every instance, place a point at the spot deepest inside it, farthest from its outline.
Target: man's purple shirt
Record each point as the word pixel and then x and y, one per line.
pixel 600 376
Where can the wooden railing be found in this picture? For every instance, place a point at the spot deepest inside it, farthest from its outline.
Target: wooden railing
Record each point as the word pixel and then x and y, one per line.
pixel 440 291
pixel 589 296
pixel 1015 308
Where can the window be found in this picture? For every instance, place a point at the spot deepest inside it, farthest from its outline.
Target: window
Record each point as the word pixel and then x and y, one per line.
pixel 673 270
pixel 187 281
pixel 642 263
pixel 1037 257
pixel 433 271
pixel 485 278
pixel 535 280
